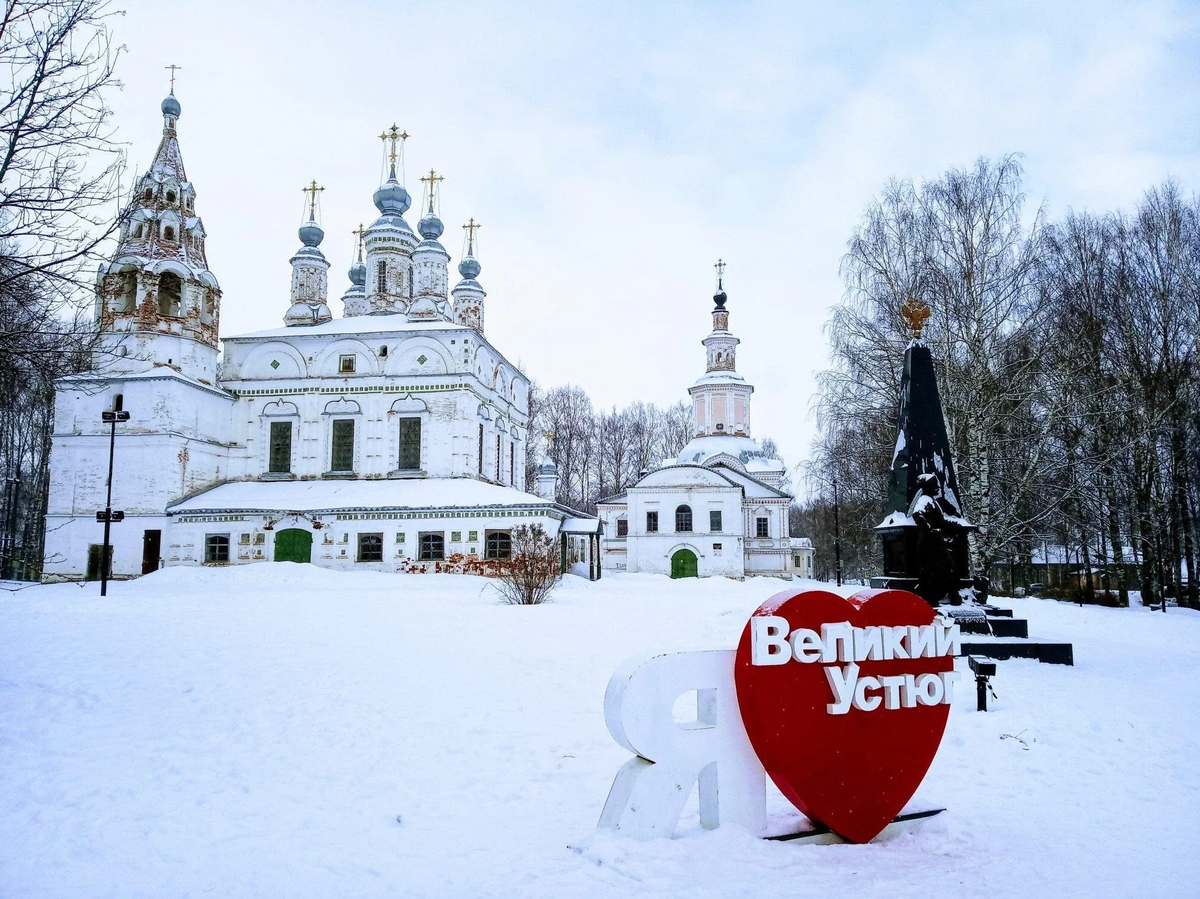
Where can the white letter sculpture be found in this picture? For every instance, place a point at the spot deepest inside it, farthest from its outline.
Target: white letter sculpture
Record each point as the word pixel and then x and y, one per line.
pixel 649 792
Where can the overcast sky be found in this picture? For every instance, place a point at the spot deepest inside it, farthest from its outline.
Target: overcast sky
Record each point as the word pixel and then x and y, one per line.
pixel 613 151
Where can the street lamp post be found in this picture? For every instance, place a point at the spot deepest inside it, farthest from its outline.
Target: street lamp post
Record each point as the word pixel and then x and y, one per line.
pixel 112 418
pixel 837 535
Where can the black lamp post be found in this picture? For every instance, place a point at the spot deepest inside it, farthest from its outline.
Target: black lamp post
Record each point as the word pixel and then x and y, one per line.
pixel 837 535
pixel 112 418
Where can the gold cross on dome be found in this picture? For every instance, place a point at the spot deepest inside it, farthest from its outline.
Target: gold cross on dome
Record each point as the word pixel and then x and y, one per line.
pixel 471 227
pixel 396 137
pixel 173 69
pixel 359 232
pixel 312 190
pixel 720 267
pixel 915 313
pixel 432 178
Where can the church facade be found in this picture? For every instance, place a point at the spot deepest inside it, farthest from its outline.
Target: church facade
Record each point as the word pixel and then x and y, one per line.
pixel 393 438
pixel 722 507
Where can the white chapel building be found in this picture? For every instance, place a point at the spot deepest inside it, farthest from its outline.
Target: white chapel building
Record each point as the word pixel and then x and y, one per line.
pixel 722 507
pixel 393 438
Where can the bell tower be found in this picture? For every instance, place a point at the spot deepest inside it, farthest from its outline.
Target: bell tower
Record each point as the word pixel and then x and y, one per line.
pixel 721 397
pixel 157 302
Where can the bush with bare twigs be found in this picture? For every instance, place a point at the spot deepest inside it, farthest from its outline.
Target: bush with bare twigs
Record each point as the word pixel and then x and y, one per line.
pixel 533 572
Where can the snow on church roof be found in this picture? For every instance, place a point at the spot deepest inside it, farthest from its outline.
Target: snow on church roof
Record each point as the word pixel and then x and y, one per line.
pixel 747 451
pixel 356 324
pixel 331 495
pixel 719 377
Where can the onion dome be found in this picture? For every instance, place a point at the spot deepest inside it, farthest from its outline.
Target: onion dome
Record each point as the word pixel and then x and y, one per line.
pixel 311 234
pixel 469 267
pixel 358 273
pixel 548 468
pixel 719 298
pixel 391 198
pixel 430 226
pixel 170 106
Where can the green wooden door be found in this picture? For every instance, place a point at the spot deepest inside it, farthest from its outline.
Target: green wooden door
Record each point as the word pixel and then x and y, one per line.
pixel 683 564
pixel 293 545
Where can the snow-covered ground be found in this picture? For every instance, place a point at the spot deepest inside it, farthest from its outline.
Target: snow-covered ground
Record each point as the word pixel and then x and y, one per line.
pixel 282 730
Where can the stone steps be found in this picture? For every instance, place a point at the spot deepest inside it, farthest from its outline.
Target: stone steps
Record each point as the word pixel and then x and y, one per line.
pixel 1009 636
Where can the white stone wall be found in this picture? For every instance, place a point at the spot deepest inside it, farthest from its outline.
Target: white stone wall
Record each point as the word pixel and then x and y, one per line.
pixel 129 351
pixel 175 443
pixel 741 551
pixel 183 438
pixel 449 378
pixel 652 552
pixel 335 542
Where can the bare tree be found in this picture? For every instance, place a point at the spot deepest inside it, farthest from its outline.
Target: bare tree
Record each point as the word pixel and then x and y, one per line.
pixel 59 184
pixel 60 168
pixel 1020 335
pixel 534 571
pixel 676 429
pixel 614 431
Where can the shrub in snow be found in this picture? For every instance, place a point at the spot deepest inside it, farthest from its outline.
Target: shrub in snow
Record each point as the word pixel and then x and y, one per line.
pixel 533 571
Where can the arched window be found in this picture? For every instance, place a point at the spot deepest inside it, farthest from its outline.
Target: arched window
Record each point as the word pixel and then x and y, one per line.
pixel 497 545
pixel 128 299
pixel 683 520
pixel 170 294
pixel 381 278
pixel 148 195
pixel 168 233
pixel 170 196
pixel 410 444
pixel 138 232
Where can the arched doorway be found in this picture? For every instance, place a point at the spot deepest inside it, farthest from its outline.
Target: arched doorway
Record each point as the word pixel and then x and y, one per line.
pixel 683 564
pixel 293 545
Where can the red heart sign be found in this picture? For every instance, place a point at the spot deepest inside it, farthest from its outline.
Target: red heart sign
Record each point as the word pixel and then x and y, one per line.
pixel 845 701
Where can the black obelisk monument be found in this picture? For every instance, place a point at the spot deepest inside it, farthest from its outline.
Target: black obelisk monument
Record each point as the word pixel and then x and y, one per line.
pixel 924 533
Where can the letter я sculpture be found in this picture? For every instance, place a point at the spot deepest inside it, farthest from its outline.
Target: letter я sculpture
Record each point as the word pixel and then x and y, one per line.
pixel 924 534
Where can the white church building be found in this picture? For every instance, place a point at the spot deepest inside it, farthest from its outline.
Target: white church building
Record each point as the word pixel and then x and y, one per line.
pixel 722 507
pixel 393 438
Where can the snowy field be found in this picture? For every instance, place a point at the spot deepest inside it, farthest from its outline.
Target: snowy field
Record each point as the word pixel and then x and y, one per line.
pixel 282 730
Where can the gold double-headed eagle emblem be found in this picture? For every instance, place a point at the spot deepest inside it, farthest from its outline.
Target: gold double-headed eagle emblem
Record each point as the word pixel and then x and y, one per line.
pixel 914 312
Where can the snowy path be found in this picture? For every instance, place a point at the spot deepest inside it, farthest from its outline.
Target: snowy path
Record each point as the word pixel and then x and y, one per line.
pixel 257 731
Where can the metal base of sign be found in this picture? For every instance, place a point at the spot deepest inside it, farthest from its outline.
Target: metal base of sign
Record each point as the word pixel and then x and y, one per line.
pixel 822 835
